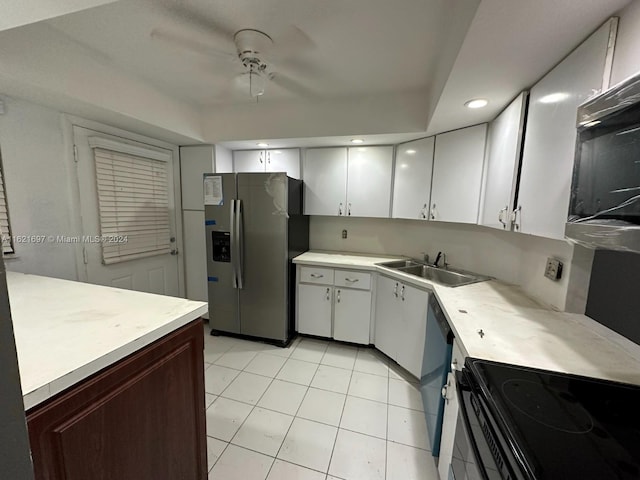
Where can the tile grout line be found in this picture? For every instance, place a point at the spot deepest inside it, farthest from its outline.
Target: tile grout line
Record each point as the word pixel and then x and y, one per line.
pixel 294 419
pixel 339 422
pixel 252 409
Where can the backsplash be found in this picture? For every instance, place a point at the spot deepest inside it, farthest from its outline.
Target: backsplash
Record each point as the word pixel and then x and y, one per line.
pixel 512 257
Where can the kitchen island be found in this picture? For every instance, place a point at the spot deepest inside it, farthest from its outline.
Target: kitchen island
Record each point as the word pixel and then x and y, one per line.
pixel 112 380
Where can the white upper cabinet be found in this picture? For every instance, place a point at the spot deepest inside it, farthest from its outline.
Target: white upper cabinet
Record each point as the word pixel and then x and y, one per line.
pixel 550 139
pixel 501 170
pixel 284 160
pixel 457 174
pixel 369 181
pixel 348 181
pixel 325 181
pixel 195 161
pixel 260 161
pixel 412 179
pixel 248 161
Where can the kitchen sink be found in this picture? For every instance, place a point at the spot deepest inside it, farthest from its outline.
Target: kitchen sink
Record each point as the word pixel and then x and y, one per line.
pixel 400 264
pixel 443 276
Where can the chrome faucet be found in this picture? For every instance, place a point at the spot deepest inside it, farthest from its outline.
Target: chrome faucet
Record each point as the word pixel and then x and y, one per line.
pixel 437 260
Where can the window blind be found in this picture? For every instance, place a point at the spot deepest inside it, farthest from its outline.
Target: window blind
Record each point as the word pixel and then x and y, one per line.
pixel 5 226
pixel 133 199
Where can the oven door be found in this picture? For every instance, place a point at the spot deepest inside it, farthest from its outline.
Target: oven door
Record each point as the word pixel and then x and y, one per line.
pixel 478 453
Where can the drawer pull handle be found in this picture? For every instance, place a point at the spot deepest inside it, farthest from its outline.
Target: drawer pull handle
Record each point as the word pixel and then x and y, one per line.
pixel 352 280
pixel 328 294
pixel 316 275
pixel 338 297
pixel 402 293
pixel 395 290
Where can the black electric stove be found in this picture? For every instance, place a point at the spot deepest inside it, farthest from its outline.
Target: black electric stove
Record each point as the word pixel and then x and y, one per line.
pixel 557 426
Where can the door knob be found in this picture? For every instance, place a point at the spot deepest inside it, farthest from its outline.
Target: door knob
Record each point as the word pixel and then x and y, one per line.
pixel 174 251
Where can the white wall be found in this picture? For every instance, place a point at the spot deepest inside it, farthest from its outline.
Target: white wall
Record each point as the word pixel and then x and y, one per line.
pixel 512 257
pixel 37 181
pixel 224 160
pixel 626 59
pixel 23 12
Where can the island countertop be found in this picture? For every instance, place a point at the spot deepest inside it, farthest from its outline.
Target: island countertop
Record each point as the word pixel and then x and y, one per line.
pixel 66 331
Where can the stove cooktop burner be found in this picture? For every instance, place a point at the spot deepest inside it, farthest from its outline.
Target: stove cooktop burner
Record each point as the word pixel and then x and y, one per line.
pixel 547 406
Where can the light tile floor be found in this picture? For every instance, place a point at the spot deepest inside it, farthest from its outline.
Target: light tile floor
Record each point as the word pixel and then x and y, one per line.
pixel 317 410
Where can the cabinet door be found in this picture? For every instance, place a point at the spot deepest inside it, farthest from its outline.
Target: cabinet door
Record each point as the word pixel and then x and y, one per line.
pixel 457 175
pixel 325 181
pixel 194 162
pixel 352 315
pixel 412 330
pixel 549 144
pixel 449 421
pixel 249 161
pixel 314 310
pixel 285 160
pixel 369 181
pixel 387 335
pixel 503 158
pixel 412 179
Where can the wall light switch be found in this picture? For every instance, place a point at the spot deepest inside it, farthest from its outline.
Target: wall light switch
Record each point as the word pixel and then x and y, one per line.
pixel 553 269
pixel 344 234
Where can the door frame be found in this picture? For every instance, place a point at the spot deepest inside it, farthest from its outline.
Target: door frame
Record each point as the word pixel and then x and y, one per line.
pixel 68 122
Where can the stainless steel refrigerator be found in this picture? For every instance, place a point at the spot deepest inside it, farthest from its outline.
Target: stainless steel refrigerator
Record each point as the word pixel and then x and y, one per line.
pixel 254 227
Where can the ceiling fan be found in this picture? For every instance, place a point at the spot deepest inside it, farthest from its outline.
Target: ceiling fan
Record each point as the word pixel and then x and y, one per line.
pixel 256 53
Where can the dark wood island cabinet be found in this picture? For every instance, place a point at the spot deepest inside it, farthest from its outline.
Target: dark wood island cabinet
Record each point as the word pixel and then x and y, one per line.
pixel 142 418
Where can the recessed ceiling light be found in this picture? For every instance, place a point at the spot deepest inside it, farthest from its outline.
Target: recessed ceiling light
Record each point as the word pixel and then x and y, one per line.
pixel 410 151
pixel 477 103
pixel 277 152
pixel 262 144
pixel 357 140
pixel 554 97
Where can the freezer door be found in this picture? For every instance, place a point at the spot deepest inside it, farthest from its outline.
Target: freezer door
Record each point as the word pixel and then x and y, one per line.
pixel 221 259
pixel 263 273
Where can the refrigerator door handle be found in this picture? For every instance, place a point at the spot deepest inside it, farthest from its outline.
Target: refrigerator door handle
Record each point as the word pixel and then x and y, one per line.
pixel 234 250
pixel 240 243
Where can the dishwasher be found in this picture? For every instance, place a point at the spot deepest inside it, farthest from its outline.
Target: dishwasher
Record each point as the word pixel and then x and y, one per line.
pixel 436 362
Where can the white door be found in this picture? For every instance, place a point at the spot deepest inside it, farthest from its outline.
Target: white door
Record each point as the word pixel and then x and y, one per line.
pixel 457 174
pixel 503 159
pixel 387 334
pixel 325 181
pixel 314 309
pixel 249 161
pixel 352 315
pixel 155 274
pixel 413 328
pixel 369 181
pixel 412 179
pixel 449 422
pixel 284 160
pixel 549 144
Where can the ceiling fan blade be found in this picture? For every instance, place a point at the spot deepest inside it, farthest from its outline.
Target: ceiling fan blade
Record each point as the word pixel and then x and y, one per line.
pixel 294 86
pixel 201 20
pixel 292 41
pixel 181 41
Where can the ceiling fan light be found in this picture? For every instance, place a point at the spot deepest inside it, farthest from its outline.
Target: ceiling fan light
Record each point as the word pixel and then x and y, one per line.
pixel 252 82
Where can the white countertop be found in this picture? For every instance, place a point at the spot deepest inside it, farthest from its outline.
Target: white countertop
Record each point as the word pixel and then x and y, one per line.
pixel 66 331
pixel 517 329
pixel 354 261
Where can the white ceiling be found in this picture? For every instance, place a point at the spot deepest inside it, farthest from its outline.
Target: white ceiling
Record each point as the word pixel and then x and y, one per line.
pixel 355 47
pixel 375 69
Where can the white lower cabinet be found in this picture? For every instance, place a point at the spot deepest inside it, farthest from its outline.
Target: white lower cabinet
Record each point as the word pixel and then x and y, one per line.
pixel 352 315
pixel 334 304
pixel 450 417
pixel 314 309
pixel 401 316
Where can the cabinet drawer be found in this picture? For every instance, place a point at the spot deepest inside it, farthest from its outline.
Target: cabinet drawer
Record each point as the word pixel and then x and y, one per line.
pixel 359 280
pixel 323 276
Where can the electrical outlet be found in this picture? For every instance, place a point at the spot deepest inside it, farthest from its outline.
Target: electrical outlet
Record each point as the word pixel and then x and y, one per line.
pixel 553 269
pixel 344 233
